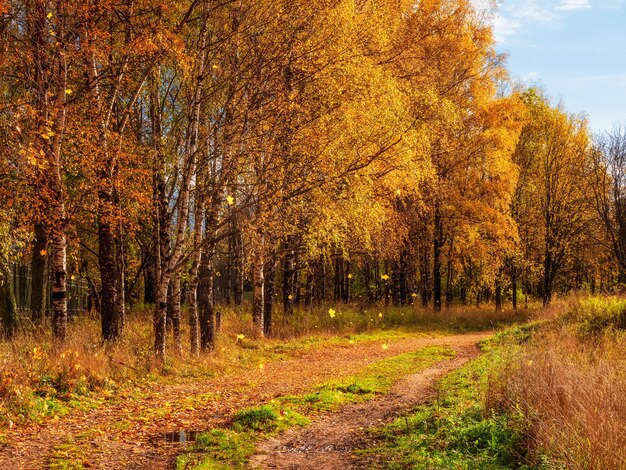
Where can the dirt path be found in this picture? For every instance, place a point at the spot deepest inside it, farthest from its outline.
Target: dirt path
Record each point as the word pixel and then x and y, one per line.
pixel 329 442
pixel 128 435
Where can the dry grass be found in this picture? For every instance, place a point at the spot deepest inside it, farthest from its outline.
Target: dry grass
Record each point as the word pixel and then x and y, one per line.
pixel 572 392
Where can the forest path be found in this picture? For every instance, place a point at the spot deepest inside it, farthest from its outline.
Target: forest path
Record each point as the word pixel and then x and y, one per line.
pixel 130 434
pixel 329 442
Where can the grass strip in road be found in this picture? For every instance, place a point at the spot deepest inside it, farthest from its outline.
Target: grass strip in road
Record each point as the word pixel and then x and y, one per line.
pixel 232 447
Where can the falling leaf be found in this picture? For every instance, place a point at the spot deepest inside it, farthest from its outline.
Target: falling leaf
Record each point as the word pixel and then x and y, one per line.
pixel 43 252
pixel 49 15
pixel 261 366
pixel 331 313
pixel 385 346
pixel 384 277
pixel 240 336
pixel 230 200
pixel 380 314
pixel 349 276
pixel 290 297
pixel 68 91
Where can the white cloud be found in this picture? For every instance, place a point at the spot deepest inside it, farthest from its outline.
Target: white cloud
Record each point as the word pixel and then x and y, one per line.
pixel 571 5
pixel 532 77
pixel 504 27
pixel 516 14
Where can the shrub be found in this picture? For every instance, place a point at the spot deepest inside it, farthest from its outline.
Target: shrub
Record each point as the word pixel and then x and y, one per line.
pixel 593 316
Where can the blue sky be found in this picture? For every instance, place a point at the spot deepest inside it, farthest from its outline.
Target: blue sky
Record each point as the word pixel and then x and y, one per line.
pixel 575 49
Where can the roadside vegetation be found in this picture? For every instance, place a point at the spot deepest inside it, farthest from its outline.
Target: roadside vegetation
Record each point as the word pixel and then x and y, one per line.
pixel 546 395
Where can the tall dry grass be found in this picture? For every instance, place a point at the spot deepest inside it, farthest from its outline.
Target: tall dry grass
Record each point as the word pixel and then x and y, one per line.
pixel 571 389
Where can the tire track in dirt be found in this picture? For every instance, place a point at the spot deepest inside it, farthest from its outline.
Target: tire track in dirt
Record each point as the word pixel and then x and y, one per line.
pixel 141 444
pixel 330 441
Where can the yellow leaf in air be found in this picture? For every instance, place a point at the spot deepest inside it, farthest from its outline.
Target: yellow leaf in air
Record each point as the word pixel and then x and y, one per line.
pixel 351 341
pixel 230 200
pixel 261 366
pixel 384 277
pixel 349 276
pixel 385 346
pixel 241 336
pixel 49 15
pixel 331 313
pixel 43 252
pixel 68 91
pixel 380 315
pixel 290 297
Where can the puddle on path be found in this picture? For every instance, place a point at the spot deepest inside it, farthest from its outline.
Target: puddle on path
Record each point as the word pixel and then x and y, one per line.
pixel 181 436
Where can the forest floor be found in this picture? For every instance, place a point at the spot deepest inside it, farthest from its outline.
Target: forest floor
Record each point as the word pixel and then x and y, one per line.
pixel 130 432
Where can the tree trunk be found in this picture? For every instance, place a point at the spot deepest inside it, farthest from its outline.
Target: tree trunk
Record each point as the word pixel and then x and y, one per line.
pixel 206 313
pixel 346 282
pixel 149 280
pixel 238 271
pixel 514 286
pixel 192 302
pixel 8 307
pixel 269 274
pixel 258 298
pixel 39 271
pixel 450 276
pixel 437 245
pixel 320 281
pixel 425 271
pixel 499 294
pixel 160 317
pixel 192 294
pixel 120 304
pixel 108 271
pixel 547 279
pixel 288 279
pixel 175 313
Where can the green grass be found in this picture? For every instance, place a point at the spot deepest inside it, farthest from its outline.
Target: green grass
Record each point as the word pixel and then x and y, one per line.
pixel 594 316
pixel 455 431
pixel 231 448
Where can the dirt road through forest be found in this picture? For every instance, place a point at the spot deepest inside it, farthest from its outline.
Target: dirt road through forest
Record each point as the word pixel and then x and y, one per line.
pixel 128 434
pixel 329 442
